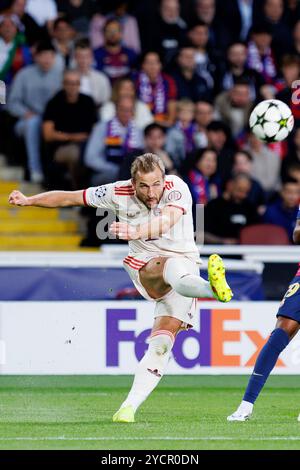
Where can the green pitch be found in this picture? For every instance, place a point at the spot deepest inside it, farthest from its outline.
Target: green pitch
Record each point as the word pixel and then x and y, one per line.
pixel 183 413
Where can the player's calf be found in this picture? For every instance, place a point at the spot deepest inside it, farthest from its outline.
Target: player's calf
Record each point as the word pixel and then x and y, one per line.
pixel 150 369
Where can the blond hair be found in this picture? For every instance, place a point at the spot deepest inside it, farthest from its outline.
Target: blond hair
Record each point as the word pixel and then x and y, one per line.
pixel 185 103
pixel 146 164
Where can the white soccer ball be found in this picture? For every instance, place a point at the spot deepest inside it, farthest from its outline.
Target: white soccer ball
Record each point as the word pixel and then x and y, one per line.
pixel 271 121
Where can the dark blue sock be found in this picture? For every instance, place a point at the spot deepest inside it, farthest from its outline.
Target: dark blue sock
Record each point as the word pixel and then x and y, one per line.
pixel 265 362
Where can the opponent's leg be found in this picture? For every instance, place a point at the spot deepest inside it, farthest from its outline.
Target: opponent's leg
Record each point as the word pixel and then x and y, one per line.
pixel 284 331
pixel 151 368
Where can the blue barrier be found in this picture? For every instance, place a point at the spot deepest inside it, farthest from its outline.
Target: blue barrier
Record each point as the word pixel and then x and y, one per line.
pixel 36 283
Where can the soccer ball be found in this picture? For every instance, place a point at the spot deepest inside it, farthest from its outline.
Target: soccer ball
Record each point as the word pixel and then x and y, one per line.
pixel 271 121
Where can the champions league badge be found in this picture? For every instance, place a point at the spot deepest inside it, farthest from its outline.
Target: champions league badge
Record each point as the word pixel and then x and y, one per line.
pixel 100 192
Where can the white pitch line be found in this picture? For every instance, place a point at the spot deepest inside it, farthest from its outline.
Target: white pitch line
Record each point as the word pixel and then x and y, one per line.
pixel 151 438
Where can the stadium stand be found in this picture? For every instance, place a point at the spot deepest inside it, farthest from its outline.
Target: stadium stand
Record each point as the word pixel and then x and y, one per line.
pixel 209 60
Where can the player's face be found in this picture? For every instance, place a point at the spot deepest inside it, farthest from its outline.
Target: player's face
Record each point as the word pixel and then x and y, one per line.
pixel 149 187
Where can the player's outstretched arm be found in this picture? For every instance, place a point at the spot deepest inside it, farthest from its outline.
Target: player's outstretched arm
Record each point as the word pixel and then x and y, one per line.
pixel 152 229
pixel 49 199
pixel 296 234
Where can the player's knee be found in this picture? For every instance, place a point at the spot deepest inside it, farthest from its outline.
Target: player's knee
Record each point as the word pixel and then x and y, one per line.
pixel 162 343
pixel 279 339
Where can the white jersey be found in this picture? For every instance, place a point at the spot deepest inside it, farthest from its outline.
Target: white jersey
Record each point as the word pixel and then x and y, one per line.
pixel 121 199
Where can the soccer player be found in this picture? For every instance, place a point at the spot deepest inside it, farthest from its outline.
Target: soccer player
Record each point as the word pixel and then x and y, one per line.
pixel 287 326
pixel 155 216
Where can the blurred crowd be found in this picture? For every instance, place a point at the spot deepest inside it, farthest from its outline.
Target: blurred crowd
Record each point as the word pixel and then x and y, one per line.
pixel 92 84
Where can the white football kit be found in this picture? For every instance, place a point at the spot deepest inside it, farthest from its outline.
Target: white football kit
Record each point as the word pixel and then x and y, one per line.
pixel 177 242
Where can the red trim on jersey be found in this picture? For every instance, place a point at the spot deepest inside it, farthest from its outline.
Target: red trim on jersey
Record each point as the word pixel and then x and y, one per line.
pixel 132 265
pixel 178 207
pixel 169 184
pixel 132 260
pixel 129 186
pixel 125 190
pixel 84 197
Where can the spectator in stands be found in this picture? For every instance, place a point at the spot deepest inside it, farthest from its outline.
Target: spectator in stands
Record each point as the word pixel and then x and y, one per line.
pixel 67 123
pixel 274 16
pixel 181 137
pixel 283 211
pixel 111 142
pixel 219 139
pixel 14 52
pixel 226 215
pixel 260 54
pixel 293 155
pixel 237 17
pixel 243 163
pixel 296 38
pixel 209 64
pixel 114 59
pixel 130 30
pixel 44 12
pixel 124 88
pixel 234 106
pixel 204 11
pixel 237 68
pixel 189 84
pixel 293 172
pixel 31 89
pixel 203 179
pixel 204 114
pixel 92 82
pixel 32 31
pixel 63 36
pixel 290 68
pixel 168 32
pixel 293 12
pixel 157 90
pixel 155 142
pixel 79 12
pixel 266 164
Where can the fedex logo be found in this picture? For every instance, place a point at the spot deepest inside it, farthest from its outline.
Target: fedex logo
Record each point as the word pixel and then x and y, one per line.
pixel 215 340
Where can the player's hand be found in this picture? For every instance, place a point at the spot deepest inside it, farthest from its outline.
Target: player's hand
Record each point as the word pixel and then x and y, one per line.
pixel 124 231
pixel 18 199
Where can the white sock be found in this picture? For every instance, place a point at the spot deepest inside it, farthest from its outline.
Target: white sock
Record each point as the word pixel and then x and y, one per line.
pixel 177 273
pixel 151 368
pixel 245 407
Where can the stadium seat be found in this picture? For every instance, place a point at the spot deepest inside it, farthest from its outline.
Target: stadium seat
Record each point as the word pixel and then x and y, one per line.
pixel 264 234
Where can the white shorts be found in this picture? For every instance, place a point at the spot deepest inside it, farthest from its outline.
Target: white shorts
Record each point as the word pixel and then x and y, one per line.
pixel 171 304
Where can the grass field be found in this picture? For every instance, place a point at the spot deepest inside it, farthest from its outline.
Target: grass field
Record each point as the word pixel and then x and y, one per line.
pixel 183 413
